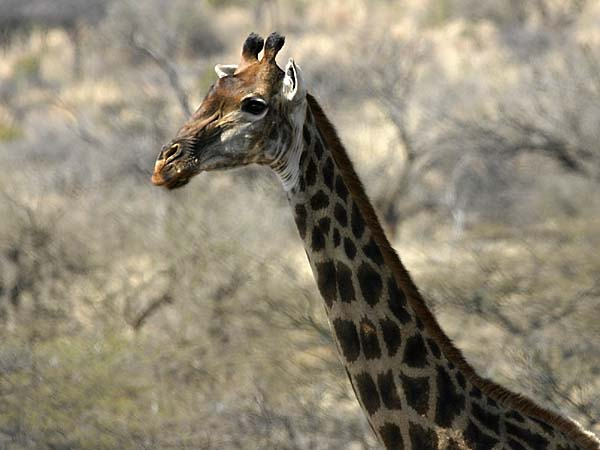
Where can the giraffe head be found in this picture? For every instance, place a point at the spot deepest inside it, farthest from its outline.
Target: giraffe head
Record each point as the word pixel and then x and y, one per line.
pixel 250 115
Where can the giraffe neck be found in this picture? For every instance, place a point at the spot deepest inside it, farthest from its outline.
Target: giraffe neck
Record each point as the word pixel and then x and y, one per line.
pixel 413 385
pixel 286 161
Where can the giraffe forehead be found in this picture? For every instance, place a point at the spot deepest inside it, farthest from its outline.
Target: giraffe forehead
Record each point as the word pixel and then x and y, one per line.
pixel 256 79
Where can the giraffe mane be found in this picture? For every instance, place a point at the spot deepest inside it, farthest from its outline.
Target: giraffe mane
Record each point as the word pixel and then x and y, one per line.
pixel 519 402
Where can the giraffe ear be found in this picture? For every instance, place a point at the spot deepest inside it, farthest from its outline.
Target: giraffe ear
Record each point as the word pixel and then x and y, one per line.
pixel 225 70
pixel 293 82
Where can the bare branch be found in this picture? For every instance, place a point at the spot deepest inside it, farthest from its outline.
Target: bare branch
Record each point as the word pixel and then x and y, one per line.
pixel 168 68
pixel 150 309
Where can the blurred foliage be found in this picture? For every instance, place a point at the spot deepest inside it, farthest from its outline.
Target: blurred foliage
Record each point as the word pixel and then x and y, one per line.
pixel 27 68
pixel 134 318
pixel 438 13
pixel 9 132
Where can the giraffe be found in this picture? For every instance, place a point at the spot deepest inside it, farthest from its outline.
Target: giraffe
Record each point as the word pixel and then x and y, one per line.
pixel 414 386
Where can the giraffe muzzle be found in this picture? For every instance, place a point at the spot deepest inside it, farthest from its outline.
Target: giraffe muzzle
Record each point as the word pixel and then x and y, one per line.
pixel 173 167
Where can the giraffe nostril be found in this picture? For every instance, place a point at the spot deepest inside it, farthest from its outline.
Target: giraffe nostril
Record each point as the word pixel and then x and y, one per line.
pixel 172 153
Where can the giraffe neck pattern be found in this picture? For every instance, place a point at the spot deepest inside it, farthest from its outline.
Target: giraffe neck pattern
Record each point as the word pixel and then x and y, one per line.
pixel 415 394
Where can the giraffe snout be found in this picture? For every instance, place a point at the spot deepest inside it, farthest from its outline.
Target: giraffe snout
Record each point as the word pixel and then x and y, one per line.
pixel 174 165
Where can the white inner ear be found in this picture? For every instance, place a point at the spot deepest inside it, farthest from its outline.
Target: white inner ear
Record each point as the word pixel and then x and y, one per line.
pixel 291 80
pixel 225 70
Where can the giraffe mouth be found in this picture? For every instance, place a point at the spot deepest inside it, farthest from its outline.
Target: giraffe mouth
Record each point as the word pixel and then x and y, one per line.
pixel 173 175
pixel 173 183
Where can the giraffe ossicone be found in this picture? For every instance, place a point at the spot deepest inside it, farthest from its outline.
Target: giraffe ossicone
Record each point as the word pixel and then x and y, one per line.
pixel 416 389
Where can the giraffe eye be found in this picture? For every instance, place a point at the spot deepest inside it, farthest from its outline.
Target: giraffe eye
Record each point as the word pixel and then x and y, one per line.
pixel 254 106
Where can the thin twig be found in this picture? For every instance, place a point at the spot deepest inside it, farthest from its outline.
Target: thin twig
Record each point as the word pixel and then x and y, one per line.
pixel 168 68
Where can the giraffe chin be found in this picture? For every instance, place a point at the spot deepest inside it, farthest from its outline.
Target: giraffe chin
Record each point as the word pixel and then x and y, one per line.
pixel 176 183
pixel 169 179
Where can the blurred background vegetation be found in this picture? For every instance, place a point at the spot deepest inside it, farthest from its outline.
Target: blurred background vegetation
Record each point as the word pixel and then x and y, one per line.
pixel 134 318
